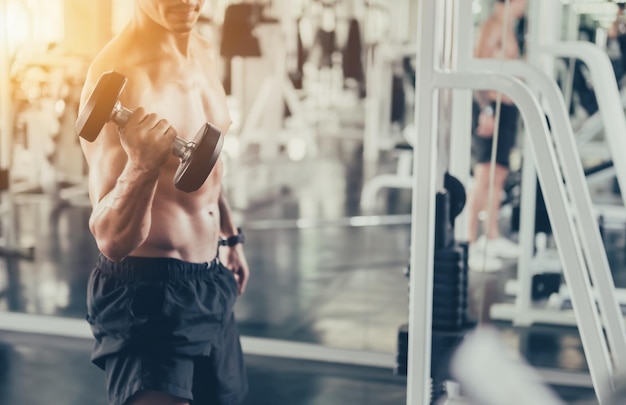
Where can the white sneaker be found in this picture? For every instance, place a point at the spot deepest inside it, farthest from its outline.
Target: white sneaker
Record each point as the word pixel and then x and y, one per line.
pixel 498 247
pixel 478 261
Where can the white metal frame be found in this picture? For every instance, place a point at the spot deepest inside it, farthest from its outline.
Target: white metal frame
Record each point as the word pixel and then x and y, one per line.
pixel 543 47
pixel 560 207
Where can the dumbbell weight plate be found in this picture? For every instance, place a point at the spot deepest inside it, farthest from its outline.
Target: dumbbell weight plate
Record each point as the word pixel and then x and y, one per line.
pixel 193 171
pixel 99 107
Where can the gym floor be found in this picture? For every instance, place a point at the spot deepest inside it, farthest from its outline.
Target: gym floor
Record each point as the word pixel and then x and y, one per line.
pixel 315 281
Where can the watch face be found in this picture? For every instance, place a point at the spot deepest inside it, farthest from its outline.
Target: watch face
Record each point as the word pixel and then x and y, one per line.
pixel 235 239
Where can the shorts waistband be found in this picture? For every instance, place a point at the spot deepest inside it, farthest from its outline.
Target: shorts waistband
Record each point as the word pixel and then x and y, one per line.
pixel 136 268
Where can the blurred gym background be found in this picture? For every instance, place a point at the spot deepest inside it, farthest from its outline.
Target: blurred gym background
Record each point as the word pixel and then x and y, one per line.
pixel 318 172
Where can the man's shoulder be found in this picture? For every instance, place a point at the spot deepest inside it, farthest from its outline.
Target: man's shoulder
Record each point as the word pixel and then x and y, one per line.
pixel 116 55
pixel 120 56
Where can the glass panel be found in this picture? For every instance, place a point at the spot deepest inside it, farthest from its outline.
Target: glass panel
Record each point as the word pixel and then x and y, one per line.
pixel 324 269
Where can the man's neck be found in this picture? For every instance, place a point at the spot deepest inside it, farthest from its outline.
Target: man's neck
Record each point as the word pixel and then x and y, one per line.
pixel 158 38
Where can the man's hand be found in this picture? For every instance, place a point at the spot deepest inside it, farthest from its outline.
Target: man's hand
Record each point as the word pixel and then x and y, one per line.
pixel 486 124
pixel 147 140
pixel 235 260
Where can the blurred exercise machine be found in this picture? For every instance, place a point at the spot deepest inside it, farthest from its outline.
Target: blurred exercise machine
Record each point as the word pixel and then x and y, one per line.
pixel 48 159
pixel 251 36
pixel 562 179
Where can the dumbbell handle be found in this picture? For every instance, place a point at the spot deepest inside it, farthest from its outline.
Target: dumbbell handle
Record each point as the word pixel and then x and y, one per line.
pixel 181 148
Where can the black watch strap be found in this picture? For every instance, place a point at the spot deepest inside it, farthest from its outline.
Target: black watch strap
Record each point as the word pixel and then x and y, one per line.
pixel 233 240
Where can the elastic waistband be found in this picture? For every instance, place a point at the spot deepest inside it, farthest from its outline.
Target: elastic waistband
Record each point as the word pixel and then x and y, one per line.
pixel 134 268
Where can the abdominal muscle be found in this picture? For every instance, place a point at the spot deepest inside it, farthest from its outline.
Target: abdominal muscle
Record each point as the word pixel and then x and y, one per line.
pixel 184 226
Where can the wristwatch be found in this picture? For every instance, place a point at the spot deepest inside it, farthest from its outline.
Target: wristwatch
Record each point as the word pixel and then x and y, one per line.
pixel 488 110
pixel 233 240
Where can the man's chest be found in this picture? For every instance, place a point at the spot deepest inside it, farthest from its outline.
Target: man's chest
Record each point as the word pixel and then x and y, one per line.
pixel 187 103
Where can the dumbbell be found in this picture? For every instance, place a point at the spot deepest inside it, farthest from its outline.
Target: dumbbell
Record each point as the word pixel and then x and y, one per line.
pixel 197 158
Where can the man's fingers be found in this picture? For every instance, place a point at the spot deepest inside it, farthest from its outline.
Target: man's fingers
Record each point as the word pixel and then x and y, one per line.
pixel 243 283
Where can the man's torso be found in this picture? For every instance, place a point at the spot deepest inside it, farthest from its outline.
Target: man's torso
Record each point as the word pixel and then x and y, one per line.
pixel 187 94
pixel 491 45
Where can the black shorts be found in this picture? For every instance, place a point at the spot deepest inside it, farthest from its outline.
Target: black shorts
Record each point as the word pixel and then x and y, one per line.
pixel 481 145
pixel 166 325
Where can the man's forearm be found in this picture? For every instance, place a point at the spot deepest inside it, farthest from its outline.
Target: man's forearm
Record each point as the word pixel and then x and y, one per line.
pixel 121 220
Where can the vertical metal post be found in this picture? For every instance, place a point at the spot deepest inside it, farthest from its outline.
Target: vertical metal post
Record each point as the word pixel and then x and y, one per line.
pixel 523 302
pixel 461 120
pixel 447 47
pixel 423 210
pixel 528 204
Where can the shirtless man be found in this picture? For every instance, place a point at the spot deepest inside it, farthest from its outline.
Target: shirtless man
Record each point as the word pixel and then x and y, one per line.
pixel 489 44
pixel 160 301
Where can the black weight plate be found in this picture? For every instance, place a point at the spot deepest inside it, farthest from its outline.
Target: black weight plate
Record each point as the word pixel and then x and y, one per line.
pixel 447 300
pixel 453 254
pixel 192 174
pixel 449 267
pixel 449 313
pixel 458 196
pixel 99 106
pixel 445 291
pixel 451 271
pixel 447 279
pixel 449 309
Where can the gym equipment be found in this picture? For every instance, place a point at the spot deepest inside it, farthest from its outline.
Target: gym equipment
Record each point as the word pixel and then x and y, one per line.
pixel 352 61
pixel 197 157
pixel 10 250
pixel 545 284
pixel 560 176
pixel 458 196
pixel 450 291
pixel 238 38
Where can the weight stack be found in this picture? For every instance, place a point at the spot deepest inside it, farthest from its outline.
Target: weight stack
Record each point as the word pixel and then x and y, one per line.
pixel 449 320
pixel 450 301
